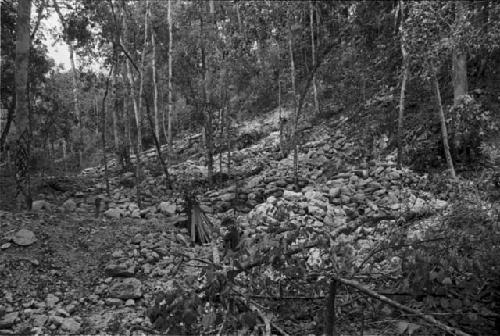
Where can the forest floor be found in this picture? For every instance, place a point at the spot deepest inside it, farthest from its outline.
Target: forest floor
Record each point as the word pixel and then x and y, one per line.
pixel 68 272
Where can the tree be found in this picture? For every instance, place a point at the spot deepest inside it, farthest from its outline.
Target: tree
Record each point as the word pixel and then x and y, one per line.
pixel 39 65
pixel 169 88
pixel 313 56
pixel 442 119
pixel 75 79
pixel 404 78
pixel 137 113
pixel 459 56
pixel 427 48
pixel 22 120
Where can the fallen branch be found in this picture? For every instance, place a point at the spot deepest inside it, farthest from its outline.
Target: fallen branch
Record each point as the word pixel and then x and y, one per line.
pixel 425 317
pixel 291 298
pixel 255 307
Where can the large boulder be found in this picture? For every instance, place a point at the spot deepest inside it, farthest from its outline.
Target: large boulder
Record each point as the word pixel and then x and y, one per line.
pixel 24 237
pixel 113 213
pixel 167 208
pixel 40 205
pixel 69 205
pixel 129 288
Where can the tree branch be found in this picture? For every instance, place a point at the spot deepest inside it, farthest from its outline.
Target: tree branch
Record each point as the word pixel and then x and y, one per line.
pixel 385 299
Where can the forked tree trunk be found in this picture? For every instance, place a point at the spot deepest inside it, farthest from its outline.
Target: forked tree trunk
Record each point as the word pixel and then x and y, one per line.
pixel 442 118
pixel 23 148
pixel 158 148
pixel 313 56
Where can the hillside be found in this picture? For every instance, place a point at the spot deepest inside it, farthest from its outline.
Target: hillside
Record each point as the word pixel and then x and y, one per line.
pixel 365 221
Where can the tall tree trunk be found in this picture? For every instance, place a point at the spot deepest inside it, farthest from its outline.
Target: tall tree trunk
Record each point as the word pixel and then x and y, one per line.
pixel 96 109
pixel 404 54
pixel 459 62
pixel 23 150
pixel 114 115
pixel 207 109
pixel 313 56
pixel 127 141
pixel 143 66
pixel 170 105
pixel 155 83
pixel 296 112
pixel 74 78
pixel 442 118
pixel 137 114
pixel 281 118
pixel 5 130
pixel 228 141
pixel 459 75
pixel 75 103
pixel 103 133
pixel 158 148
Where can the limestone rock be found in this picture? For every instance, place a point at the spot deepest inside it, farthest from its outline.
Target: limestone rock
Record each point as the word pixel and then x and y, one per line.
pixel 167 208
pixel 120 270
pixel 69 205
pixel 70 325
pixel 40 205
pixel 8 320
pixel 113 302
pixel 24 237
pixel 129 288
pixel 334 192
pixel 292 195
pixel 51 300
pixel 113 213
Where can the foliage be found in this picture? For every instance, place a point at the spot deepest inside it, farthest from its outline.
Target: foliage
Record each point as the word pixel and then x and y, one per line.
pixel 471 125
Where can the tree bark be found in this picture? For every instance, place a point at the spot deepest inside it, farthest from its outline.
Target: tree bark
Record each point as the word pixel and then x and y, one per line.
pixel 142 69
pixel 296 112
pixel 442 118
pixel 5 131
pixel 459 61
pixel 459 75
pixel 170 107
pixel 403 89
pixel 74 78
pixel 158 148
pixel 127 141
pixel 137 114
pixel 22 120
pixel 103 133
pixel 313 56
pixel 330 329
pixel 155 82
pixel 114 114
pixel 207 109
pixel 11 109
